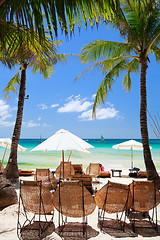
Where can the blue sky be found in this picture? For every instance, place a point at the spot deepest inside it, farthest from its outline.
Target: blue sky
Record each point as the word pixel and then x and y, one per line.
pixel 60 102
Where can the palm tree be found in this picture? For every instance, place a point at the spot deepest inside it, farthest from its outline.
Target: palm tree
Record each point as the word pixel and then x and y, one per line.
pixel 63 14
pixel 138 23
pixel 27 53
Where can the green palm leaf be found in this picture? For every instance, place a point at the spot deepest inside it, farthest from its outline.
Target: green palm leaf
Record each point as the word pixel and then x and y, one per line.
pixel 11 86
pixel 63 14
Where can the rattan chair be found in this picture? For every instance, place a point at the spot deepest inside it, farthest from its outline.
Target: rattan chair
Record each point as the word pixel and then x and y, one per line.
pixel 78 168
pixel 47 177
pixel 72 199
pixel 87 180
pixel 93 169
pixel 112 198
pixel 34 201
pixel 64 170
pixel 144 197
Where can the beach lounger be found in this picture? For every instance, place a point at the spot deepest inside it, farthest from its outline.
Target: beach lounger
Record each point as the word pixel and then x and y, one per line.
pixel 87 180
pixel 105 174
pixel 64 171
pixel 35 204
pixel 78 168
pixel 93 169
pixel 142 174
pixel 47 177
pixel 23 172
pixel 144 197
pixel 112 198
pixel 72 199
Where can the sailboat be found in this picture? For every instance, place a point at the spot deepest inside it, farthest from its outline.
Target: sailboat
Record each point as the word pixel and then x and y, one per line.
pixel 102 138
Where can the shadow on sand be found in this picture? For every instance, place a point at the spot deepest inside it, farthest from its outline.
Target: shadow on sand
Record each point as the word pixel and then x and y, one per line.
pixel 74 231
pixel 143 228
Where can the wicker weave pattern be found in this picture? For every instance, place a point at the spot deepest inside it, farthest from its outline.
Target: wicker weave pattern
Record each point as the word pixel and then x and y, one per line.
pixel 30 194
pixel 93 169
pixel 68 170
pixel 72 200
pixel 87 180
pixel 117 196
pixel 144 195
pixel 47 177
pixel 78 168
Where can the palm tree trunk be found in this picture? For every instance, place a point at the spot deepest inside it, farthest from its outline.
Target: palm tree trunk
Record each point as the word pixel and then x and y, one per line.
pixel 150 167
pixel 11 170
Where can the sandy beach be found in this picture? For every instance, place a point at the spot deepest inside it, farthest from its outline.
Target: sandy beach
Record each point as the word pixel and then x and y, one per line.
pixel 8 220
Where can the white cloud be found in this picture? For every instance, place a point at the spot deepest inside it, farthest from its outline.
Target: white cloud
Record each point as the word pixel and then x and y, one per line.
pixel 45 125
pixel 54 105
pixel 75 104
pixel 6 124
pixel 93 96
pixel 4 110
pixel 42 106
pixel 5 114
pixel 101 113
pixel 31 124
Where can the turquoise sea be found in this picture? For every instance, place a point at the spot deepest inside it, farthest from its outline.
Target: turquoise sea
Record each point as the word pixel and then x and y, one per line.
pixel 102 153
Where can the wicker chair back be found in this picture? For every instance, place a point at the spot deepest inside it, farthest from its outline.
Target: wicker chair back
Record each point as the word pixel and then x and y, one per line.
pixel 93 169
pixel 68 170
pixel 113 197
pixel 72 199
pixel 33 195
pixel 144 195
pixel 78 168
pixel 47 178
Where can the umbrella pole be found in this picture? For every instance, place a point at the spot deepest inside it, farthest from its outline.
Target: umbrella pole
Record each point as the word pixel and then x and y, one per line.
pixel 131 157
pixel 69 155
pixel 4 154
pixel 63 162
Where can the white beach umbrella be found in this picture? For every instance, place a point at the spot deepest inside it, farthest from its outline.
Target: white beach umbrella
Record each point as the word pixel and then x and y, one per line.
pixel 130 145
pixel 63 140
pixel 6 143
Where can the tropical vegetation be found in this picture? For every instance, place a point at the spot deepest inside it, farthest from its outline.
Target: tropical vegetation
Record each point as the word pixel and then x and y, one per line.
pixel 27 52
pixel 64 14
pixel 138 22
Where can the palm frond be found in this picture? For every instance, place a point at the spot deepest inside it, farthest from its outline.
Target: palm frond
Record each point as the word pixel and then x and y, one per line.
pixel 11 86
pixel 104 49
pixel 106 84
pixel 58 14
pixel 155 124
pixel 156 50
pixel 127 82
pixel 102 92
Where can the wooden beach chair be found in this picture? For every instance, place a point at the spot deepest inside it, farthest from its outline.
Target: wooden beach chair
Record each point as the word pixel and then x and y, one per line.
pixel 72 199
pixel 144 197
pixel 93 169
pixel 36 202
pixel 27 172
pixel 105 174
pixel 112 198
pixel 78 168
pixel 87 180
pixel 47 177
pixel 64 170
pixel 142 174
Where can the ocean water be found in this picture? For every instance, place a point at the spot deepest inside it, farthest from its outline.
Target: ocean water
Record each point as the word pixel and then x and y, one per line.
pixel 102 153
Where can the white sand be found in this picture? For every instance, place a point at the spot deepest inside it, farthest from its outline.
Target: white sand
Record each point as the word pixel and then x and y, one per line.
pixel 8 219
